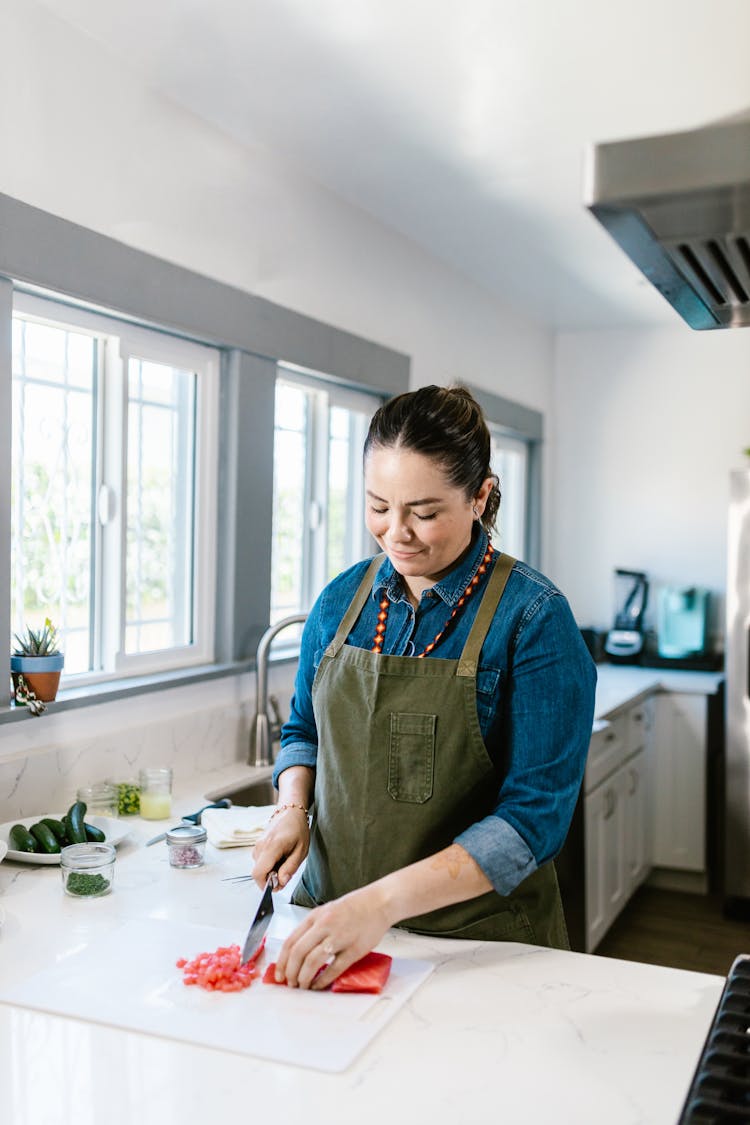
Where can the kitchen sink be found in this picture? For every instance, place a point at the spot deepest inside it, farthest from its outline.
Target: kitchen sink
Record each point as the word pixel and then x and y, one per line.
pixel 259 792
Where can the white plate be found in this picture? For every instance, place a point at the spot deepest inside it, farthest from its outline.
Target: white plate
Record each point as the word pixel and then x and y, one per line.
pixel 3 850
pixel 114 831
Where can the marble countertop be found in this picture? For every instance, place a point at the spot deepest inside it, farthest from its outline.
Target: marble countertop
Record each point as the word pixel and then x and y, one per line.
pixel 529 1034
pixel 621 684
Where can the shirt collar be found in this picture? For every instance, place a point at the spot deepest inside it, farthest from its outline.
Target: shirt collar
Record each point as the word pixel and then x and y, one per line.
pixel 450 587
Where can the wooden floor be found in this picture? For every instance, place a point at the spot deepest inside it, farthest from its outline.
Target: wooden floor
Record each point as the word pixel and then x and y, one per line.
pixel 682 931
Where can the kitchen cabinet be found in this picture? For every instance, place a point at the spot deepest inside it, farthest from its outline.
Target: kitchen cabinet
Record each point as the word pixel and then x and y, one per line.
pixel 604 826
pixel 638 853
pixel 679 782
pixel 648 808
pixel 617 817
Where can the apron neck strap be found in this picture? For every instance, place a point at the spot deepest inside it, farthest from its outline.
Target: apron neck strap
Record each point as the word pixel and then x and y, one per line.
pixel 355 607
pixel 467 665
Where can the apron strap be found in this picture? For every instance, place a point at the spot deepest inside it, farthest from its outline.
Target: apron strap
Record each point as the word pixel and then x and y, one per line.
pixel 467 665
pixel 355 607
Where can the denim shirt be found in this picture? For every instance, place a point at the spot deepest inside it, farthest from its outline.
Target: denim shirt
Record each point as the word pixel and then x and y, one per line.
pixel 535 698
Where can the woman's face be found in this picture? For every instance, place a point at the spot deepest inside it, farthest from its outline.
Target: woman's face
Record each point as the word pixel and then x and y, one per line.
pixel 421 521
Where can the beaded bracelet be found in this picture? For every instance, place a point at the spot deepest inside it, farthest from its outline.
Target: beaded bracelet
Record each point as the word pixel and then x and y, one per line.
pixel 281 808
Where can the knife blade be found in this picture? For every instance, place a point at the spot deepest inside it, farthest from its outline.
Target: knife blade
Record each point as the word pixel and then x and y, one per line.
pixel 191 818
pixel 261 921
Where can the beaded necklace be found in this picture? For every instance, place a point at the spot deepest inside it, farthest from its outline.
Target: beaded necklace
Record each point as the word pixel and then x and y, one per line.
pixel 385 605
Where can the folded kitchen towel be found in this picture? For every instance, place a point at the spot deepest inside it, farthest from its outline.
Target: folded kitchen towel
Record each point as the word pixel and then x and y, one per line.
pixel 238 827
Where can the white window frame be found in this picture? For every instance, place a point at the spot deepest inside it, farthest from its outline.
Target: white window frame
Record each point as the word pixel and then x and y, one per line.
pixel 516 543
pixel 327 393
pixel 122 339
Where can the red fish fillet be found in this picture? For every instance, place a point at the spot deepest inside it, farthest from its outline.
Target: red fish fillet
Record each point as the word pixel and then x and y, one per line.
pixel 369 974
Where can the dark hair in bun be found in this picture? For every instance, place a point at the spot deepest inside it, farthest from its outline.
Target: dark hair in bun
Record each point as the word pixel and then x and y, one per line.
pixel 447 425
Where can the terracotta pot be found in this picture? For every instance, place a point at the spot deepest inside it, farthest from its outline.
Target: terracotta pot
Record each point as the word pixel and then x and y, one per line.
pixel 41 674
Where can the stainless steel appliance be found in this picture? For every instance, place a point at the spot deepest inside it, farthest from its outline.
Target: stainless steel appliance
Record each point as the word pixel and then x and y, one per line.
pixel 625 641
pixel 737 662
pixel 679 206
pixel 720 1090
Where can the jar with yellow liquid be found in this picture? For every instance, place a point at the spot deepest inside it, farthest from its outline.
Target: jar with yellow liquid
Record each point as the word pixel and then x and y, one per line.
pixel 156 793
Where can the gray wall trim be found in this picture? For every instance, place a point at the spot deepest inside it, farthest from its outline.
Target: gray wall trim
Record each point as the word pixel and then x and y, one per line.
pixel 534 506
pixel 524 421
pixel 6 400
pixel 245 504
pixel 40 249
pixel 528 424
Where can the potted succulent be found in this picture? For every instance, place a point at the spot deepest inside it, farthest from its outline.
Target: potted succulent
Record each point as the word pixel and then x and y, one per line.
pixel 36 663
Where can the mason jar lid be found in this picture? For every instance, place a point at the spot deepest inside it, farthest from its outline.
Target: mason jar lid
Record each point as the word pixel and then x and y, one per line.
pixel 187 834
pixel 85 856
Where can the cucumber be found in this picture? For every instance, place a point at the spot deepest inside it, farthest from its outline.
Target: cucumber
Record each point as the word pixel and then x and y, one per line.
pixel 75 831
pixel 45 838
pixel 55 826
pixel 94 834
pixel 21 840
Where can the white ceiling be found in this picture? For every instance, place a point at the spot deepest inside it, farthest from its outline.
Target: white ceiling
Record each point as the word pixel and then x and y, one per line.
pixel 460 123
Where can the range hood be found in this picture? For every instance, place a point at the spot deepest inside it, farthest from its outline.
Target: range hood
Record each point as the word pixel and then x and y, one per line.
pixel 679 206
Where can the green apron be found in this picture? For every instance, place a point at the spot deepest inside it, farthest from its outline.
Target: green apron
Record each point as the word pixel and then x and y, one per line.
pixel 402 770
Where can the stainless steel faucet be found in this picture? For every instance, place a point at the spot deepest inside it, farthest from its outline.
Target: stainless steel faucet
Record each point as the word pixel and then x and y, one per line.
pixel 266 730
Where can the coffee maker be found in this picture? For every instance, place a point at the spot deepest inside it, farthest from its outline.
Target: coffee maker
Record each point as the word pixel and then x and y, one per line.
pixel 624 643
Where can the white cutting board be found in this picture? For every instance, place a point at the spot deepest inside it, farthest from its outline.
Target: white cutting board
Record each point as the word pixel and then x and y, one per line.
pixel 130 980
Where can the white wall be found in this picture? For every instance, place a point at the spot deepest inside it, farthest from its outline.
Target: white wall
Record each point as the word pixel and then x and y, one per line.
pixel 648 425
pixel 82 138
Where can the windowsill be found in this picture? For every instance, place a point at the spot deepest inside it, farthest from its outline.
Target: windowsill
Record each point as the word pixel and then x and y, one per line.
pixel 70 699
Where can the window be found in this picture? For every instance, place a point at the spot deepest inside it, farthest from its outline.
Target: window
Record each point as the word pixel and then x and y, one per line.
pixel 318 492
pixel 113 489
pixel 510 457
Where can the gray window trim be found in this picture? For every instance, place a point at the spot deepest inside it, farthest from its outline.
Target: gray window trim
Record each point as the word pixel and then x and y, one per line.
pixel 42 252
pixel 528 424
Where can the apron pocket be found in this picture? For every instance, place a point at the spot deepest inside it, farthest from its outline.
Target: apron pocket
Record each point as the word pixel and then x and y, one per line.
pixel 411 756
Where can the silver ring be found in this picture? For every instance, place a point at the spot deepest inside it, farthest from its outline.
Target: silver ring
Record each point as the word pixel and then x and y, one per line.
pixel 328 949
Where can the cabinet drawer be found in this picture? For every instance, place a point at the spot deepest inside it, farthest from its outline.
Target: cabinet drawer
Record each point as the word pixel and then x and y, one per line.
pixel 607 750
pixel 637 725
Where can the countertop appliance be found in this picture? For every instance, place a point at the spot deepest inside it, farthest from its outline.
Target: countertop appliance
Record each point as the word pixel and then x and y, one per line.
pixel 625 641
pixel 679 206
pixel 682 620
pixel 737 663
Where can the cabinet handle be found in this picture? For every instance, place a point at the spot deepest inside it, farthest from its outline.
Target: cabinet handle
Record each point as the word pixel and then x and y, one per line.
pixel 610 736
pixel 633 781
pixel 610 800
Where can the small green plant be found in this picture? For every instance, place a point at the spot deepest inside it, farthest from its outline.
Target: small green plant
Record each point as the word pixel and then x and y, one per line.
pixel 39 642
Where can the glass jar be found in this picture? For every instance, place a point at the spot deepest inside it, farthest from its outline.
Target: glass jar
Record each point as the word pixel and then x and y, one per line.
pixel 128 797
pixel 99 798
pixel 156 793
pixel 186 844
pixel 87 869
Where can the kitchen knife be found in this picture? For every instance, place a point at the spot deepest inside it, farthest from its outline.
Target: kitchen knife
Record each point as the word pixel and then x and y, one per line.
pixel 192 818
pixel 261 921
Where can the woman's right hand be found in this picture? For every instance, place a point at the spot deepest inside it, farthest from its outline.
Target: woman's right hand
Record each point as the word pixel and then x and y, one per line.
pixel 283 846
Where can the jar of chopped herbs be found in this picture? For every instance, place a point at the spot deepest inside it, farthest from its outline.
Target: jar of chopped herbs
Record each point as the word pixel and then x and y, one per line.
pixel 87 869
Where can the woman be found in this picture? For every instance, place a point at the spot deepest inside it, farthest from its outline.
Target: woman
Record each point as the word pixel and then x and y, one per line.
pixel 442 732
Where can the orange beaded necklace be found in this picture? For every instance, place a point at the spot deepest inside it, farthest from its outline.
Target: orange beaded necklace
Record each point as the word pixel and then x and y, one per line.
pixel 385 606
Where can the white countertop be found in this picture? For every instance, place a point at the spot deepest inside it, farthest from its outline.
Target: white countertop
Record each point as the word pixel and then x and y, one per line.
pixel 620 684
pixel 508 1030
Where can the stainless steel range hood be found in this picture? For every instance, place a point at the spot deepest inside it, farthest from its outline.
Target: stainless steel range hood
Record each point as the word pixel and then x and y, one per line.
pixel 679 206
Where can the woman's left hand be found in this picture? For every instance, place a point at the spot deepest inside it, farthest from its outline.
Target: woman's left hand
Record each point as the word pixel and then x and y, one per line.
pixel 334 935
